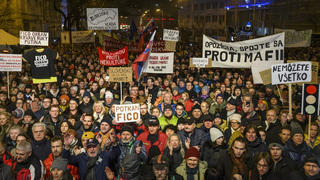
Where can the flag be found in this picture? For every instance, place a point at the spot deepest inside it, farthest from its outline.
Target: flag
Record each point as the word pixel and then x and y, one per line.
pixel 137 65
pixel 150 27
pixel 133 29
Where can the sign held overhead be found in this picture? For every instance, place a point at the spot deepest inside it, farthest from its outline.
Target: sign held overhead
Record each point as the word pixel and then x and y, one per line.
pixel 291 73
pixel 34 38
pixel 127 113
pixel 170 35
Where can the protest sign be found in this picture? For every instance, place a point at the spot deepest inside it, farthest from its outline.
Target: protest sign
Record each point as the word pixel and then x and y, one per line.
pixel 195 62
pixel 159 63
pixel 242 54
pixel 82 36
pixel 102 19
pixel 266 76
pixel 111 44
pixel 291 72
pixel 170 35
pixel 10 62
pixel 170 46
pixel 257 67
pixel 296 38
pixel 127 113
pixel 120 74
pixel 314 72
pixel 65 37
pixel 34 38
pixel 115 58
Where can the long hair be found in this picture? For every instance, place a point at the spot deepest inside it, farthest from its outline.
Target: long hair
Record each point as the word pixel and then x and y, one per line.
pixel 240 139
pixel 180 143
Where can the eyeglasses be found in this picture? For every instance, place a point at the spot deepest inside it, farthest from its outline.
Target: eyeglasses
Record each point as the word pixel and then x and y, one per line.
pixel 311 166
pixel 262 166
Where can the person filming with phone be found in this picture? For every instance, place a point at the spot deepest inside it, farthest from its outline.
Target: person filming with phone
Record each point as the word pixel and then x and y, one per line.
pixel 248 111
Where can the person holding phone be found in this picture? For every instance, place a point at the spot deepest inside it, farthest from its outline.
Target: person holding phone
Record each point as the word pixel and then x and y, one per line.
pixel 248 111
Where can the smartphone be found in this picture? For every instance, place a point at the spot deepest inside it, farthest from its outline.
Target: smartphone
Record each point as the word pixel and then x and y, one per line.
pixel 247 103
pixel 141 143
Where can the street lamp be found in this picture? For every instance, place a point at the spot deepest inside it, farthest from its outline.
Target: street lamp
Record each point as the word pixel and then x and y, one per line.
pixel 159 10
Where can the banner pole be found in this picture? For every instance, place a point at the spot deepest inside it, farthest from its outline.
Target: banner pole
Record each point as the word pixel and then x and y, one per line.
pixel 309 128
pixel 120 91
pixel 8 81
pixel 290 98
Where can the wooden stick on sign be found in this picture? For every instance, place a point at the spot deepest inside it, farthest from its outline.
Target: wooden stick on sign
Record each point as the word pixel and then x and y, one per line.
pixel 309 128
pixel 290 98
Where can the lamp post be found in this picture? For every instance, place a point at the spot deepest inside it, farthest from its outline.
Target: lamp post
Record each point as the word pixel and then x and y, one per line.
pixel 160 10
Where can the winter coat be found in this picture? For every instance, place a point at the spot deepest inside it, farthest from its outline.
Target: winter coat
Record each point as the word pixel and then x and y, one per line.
pixel 7 158
pixel 215 106
pixel 160 143
pixel 254 148
pixel 34 164
pixel 300 175
pixel 106 158
pixel 197 138
pixel 254 175
pixel 164 121
pixel 74 171
pixel 53 126
pixel 175 159
pixel 273 130
pixel 6 172
pixel 130 164
pixel 130 148
pixel 297 153
pixel 182 170
pixel 283 167
pixel 81 131
pixel 41 149
pixel 316 142
pixel 211 154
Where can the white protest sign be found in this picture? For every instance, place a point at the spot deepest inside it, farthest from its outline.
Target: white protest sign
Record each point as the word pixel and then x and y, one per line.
pixel 159 63
pixel 10 62
pixel 242 54
pixel 170 35
pixel 82 36
pixel 200 62
pixel 102 18
pixel 34 38
pixel 291 72
pixel 127 113
pixel 296 38
pixel 257 67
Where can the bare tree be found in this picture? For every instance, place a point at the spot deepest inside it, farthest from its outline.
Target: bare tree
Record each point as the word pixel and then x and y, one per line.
pixel 5 10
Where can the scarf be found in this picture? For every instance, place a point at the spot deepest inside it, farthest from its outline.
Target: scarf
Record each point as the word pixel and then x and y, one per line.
pixel 239 166
pixel 191 172
pixel 90 167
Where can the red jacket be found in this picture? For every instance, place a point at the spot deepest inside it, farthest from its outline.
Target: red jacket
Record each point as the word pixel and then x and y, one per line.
pixel 188 105
pixel 7 158
pixel 161 142
pixel 74 171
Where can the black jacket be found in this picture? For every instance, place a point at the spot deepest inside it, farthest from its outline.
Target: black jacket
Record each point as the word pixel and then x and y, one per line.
pixel 254 175
pixel 6 172
pixel 175 159
pixel 41 149
pixel 254 148
pixel 34 164
pixel 211 154
pixel 284 167
pixel 197 138
pixel 273 130
pixel 300 175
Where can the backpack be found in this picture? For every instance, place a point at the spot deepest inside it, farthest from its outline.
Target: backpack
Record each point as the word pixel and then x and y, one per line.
pixel 23 174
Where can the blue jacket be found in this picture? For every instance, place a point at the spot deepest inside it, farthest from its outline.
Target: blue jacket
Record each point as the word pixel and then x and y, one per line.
pixel 106 158
pixel 197 138
pixel 297 153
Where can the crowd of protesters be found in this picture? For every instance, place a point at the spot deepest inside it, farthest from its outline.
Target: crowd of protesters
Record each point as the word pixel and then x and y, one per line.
pixel 195 124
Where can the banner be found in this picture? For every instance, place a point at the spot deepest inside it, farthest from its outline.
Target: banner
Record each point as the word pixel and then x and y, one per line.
pixel 102 19
pixel 291 73
pixel 242 54
pixel 170 35
pixel 296 38
pixel 10 62
pixel 65 37
pixel 127 113
pixel 258 67
pixel 115 58
pixel 159 63
pixel 34 38
pixel 82 36
pixel 120 74
pixel 198 62
pixel 314 71
pixel 111 44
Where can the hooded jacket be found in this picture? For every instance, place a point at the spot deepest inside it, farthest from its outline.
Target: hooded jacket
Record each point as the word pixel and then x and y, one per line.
pixel 182 170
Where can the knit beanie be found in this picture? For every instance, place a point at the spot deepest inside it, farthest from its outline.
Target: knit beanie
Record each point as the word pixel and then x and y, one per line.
pixel 127 128
pixel 192 152
pixel 60 163
pixel 88 135
pixel 215 134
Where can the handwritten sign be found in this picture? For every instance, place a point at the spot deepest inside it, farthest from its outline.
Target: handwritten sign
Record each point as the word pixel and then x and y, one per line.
pixel 127 113
pixel 200 62
pixel 314 71
pixel 120 74
pixel 170 35
pixel 10 62
pixel 291 72
pixel 34 38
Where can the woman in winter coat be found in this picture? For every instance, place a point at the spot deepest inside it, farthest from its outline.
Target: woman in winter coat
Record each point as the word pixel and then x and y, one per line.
pixel 212 147
pixel 174 152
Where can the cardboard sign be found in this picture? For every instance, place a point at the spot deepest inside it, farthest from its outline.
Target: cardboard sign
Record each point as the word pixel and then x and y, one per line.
pixel 296 38
pixel 257 67
pixel 266 76
pixel 102 18
pixel 127 113
pixel 291 73
pixel 82 36
pixel 170 35
pixel 65 37
pixel 115 58
pixel 314 72
pixel 159 63
pixel 10 62
pixel 200 62
pixel 34 38
pixel 243 54
pixel 120 74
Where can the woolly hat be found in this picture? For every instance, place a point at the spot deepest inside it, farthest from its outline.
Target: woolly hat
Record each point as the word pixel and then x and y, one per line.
pixel 215 134
pixel 160 162
pixel 29 112
pixel 196 106
pixel 312 158
pixel 167 107
pixel 192 152
pixel 64 97
pixel 106 120
pixel 175 89
pixel 127 100
pixel 220 95
pixel 153 152
pixel 127 128
pixel 88 135
pixel 270 86
pixel 297 130
pixel 181 121
pixel 86 94
pixel 236 117
pixel 29 86
pixel 274 144
pixel 232 101
pixel 108 94
pixel 74 88
pixel 205 88
pixel 198 99
pixel 60 163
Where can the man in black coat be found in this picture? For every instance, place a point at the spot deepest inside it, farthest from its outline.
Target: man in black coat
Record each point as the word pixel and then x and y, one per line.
pixel 310 171
pixel 272 126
